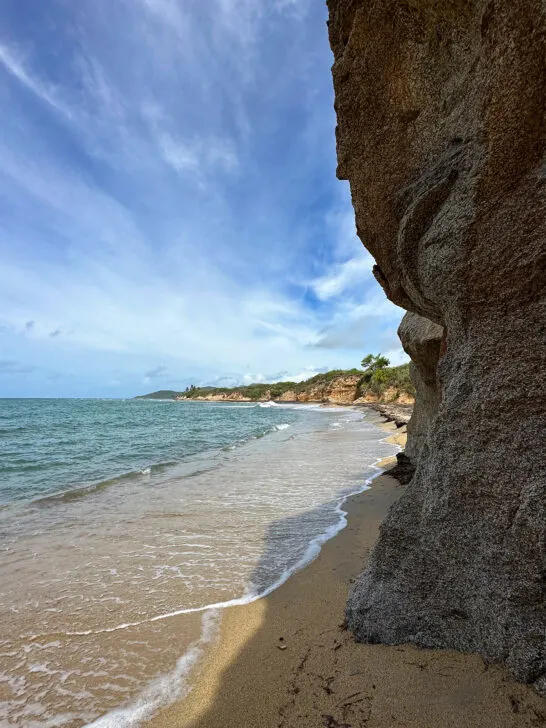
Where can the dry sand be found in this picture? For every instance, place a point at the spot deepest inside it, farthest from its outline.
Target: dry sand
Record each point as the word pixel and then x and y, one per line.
pixel 322 677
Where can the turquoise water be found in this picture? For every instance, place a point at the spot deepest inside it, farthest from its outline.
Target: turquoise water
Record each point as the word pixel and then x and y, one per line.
pixel 55 445
pixel 128 527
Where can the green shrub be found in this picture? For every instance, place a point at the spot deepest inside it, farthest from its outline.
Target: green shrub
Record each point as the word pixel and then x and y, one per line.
pixel 397 378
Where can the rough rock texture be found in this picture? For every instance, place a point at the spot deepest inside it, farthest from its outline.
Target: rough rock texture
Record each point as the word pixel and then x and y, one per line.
pixel 441 133
pixel 421 340
pixel 340 390
pixel 221 397
pixel 403 471
pixel 390 395
pixel 399 413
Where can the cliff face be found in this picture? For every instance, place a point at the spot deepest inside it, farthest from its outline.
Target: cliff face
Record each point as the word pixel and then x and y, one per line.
pixel 441 133
pixel 421 340
pixel 222 397
pixel 341 390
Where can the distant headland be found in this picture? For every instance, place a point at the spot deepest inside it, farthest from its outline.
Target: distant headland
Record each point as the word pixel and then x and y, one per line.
pixel 377 382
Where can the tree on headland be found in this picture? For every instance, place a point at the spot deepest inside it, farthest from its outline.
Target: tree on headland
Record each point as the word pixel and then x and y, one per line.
pixel 372 363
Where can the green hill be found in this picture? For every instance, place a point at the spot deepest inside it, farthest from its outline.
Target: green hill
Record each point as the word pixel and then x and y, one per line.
pixel 161 394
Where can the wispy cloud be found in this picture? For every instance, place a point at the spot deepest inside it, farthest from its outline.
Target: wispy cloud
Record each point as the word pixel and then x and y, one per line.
pixel 197 156
pixel 154 373
pixel 14 63
pixel 180 156
pixel 11 366
pixel 168 191
pixel 350 275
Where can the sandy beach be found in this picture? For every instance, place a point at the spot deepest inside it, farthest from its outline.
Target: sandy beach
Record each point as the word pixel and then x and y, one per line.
pixel 287 661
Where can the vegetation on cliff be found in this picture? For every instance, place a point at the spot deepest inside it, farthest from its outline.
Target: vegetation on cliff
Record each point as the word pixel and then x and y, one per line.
pixel 395 379
pixel 376 379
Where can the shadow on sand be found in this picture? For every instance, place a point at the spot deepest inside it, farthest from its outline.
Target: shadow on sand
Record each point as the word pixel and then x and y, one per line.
pixel 286 661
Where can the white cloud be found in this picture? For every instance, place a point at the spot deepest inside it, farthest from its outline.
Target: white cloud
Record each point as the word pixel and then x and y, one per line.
pixel 221 153
pixel 306 373
pixel 253 378
pixel 168 11
pixel 350 274
pixel 396 356
pixel 198 156
pixel 179 156
pixel 170 198
pixel 341 224
pixel 13 62
pixel 155 373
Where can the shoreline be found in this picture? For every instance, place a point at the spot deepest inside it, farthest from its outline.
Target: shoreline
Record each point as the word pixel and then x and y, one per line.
pixel 178 547
pixel 286 660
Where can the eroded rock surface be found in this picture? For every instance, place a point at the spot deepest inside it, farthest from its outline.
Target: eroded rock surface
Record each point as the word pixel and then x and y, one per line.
pixel 340 390
pixel 422 340
pixel 441 133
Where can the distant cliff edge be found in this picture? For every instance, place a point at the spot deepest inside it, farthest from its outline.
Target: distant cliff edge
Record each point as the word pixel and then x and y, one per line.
pixel 394 384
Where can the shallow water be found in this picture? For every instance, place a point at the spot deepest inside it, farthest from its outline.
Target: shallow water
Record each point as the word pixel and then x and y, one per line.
pixel 109 594
pixel 54 445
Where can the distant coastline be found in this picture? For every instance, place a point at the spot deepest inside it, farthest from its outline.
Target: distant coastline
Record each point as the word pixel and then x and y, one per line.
pixel 352 386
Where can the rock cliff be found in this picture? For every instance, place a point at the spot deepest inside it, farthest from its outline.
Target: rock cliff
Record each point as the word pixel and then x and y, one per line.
pixel 421 340
pixel 335 387
pixel 341 390
pixel 441 134
pixel 223 397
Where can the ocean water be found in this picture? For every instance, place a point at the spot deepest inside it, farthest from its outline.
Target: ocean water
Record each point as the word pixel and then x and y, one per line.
pixel 52 445
pixel 128 526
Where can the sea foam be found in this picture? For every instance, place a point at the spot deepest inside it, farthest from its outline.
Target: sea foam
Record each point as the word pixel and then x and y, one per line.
pixel 264 517
pixel 174 686
pixel 167 688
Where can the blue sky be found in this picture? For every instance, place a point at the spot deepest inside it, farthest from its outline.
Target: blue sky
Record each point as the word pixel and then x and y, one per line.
pixel 169 211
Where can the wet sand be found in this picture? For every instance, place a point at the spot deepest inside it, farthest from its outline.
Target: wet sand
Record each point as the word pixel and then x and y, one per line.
pixel 286 661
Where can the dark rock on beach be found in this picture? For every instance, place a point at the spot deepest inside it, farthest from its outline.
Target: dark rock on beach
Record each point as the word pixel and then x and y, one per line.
pixel 395 412
pixel 404 469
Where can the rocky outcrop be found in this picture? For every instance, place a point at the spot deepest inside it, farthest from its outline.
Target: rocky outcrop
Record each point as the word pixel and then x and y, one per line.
pixel 421 340
pixel 399 413
pixel 390 395
pixel 339 390
pixel 220 397
pixel 441 133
